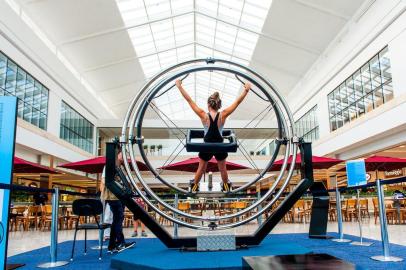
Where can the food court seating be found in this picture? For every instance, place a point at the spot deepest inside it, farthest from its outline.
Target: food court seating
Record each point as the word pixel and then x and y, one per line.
pixel 30 217
pixel 351 210
pixel 390 211
pixel 363 204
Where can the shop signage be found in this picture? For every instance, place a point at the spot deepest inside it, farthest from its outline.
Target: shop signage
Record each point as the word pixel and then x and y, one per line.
pixel 8 119
pixel 356 173
pixel 393 173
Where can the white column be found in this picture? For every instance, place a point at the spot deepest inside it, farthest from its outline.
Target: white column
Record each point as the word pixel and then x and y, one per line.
pixel 323 117
pixel 54 114
pixel 397 55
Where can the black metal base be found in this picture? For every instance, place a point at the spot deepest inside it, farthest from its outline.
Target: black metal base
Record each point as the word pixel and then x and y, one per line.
pixel 305 261
pixel 14 266
pixel 124 194
pixel 321 236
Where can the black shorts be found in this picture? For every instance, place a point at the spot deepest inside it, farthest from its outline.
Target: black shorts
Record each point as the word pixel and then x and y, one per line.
pixel 208 156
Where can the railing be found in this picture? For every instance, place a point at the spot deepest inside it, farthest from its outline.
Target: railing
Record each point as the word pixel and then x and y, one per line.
pixel 54 218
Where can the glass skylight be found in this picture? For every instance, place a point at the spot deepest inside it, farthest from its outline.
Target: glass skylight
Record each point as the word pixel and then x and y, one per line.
pixel 165 32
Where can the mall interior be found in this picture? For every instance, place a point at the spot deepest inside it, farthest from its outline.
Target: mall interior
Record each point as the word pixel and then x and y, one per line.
pixel 113 124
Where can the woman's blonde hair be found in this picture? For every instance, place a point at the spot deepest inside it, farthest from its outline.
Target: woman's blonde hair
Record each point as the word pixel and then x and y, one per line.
pixel 214 101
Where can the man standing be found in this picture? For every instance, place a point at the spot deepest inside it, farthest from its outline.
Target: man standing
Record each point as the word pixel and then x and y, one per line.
pixel 116 242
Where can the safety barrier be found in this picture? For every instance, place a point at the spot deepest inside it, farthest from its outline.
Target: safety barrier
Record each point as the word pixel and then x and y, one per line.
pixel 53 248
pixel 382 215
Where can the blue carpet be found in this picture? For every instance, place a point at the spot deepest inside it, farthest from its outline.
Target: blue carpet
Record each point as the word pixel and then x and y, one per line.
pixel 354 254
pixel 156 256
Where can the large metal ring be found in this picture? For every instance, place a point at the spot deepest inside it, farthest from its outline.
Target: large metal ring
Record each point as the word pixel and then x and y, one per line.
pixel 288 128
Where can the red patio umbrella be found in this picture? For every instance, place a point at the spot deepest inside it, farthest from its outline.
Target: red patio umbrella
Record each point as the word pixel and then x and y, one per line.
pixel 319 163
pixel 24 166
pixel 95 165
pixel 382 163
pixel 191 165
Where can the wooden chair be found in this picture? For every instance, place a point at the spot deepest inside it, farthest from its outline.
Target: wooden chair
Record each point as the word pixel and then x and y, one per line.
pixel 17 211
pixel 390 211
pixel 238 206
pixel 363 204
pixel 184 207
pixel 402 215
pixel 376 208
pixel 351 210
pixel 332 211
pixel 70 218
pixel 196 209
pixel 128 218
pixel 46 217
pixel 29 218
pixel 161 219
pixel 300 210
pixel 223 209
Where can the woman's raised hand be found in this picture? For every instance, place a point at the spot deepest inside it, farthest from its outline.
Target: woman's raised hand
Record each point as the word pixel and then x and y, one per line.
pixel 247 86
pixel 178 83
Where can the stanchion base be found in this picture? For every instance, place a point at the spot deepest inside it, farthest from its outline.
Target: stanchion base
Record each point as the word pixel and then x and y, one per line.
pixel 98 247
pixel 364 244
pixel 14 266
pixel 339 240
pixel 52 264
pixel 387 258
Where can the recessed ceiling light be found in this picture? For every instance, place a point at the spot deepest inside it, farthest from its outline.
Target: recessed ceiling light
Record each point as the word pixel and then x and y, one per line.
pixel 402 146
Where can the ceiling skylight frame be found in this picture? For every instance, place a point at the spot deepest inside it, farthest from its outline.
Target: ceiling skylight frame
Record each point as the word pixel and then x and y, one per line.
pixel 209 30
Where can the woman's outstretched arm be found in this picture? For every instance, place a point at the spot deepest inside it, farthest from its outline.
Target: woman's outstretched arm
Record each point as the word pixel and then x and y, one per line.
pixel 229 110
pixel 200 112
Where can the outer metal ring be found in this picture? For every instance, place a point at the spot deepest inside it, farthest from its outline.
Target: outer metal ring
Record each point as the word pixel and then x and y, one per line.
pixel 288 128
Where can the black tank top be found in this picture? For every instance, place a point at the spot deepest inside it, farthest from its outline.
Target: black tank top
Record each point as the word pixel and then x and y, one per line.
pixel 213 133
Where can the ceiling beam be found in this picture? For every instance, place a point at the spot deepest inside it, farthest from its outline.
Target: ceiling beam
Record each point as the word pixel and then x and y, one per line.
pixel 322 9
pixel 188 44
pixel 119 29
pixel 194 12
pixel 90 69
pixel 120 86
pixel 272 37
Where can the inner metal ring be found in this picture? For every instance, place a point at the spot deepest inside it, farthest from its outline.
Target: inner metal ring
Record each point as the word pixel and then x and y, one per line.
pixel 143 107
pixel 137 118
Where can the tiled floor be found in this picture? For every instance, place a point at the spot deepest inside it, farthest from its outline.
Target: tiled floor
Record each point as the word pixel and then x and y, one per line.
pixel 20 242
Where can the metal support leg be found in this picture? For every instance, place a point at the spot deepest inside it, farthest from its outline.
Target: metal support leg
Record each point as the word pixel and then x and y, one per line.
pixel 175 225
pixel 259 208
pixel 384 229
pixel 85 242
pixel 101 235
pixel 54 235
pixel 341 238
pixel 360 243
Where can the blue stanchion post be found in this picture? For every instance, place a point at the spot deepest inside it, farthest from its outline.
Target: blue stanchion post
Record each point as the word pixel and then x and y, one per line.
pixel 384 228
pixel 360 242
pixel 101 235
pixel 259 206
pixel 175 225
pixel 54 235
pixel 340 238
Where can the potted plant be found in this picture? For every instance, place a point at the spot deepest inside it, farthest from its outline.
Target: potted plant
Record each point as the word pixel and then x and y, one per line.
pixel 160 149
pixel 152 149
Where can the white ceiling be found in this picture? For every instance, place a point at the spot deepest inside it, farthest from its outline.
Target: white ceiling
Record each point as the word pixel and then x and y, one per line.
pixel 93 36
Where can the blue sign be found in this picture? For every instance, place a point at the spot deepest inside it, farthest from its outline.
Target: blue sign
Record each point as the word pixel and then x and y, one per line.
pixel 8 119
pixel 356 173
